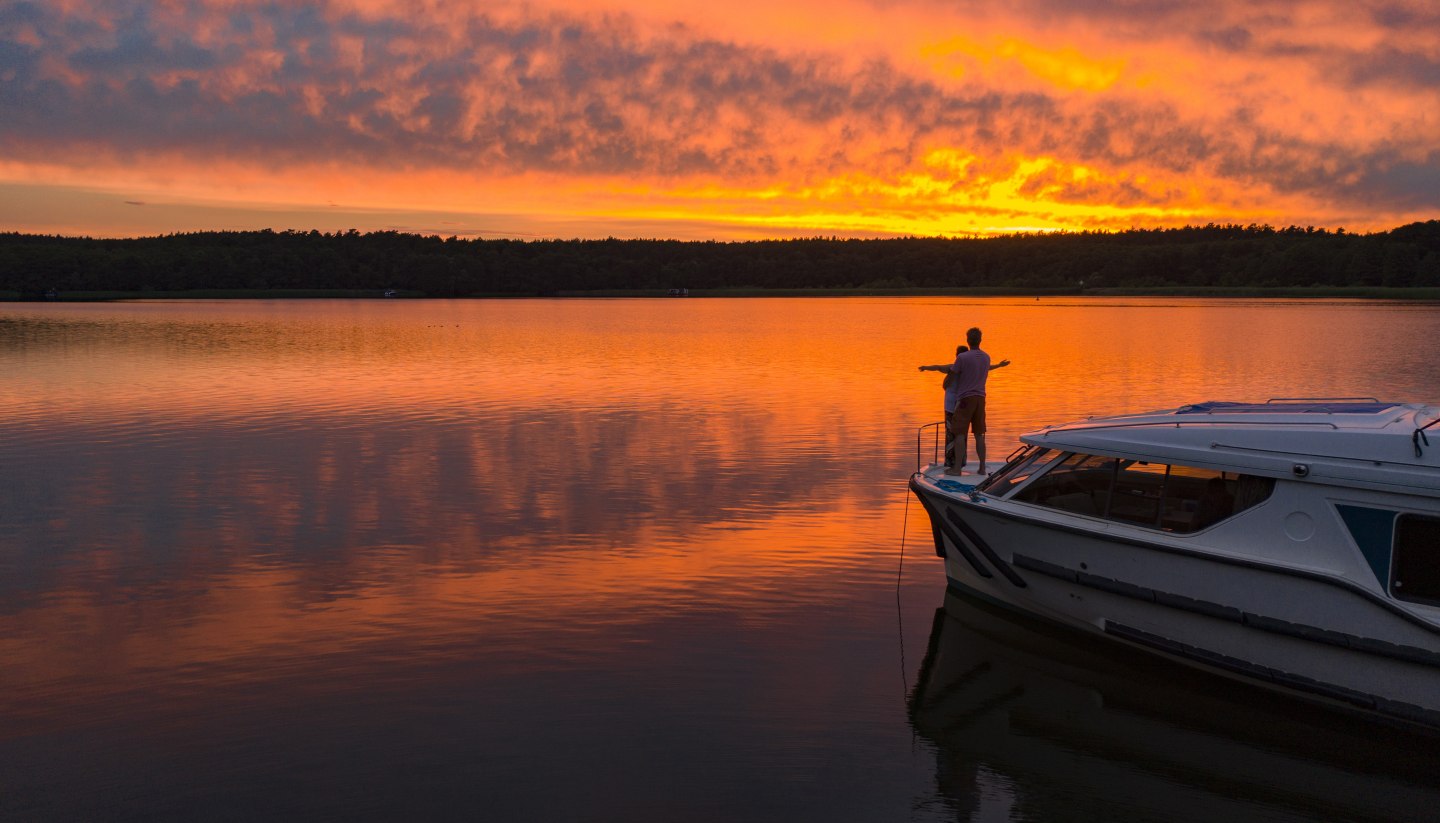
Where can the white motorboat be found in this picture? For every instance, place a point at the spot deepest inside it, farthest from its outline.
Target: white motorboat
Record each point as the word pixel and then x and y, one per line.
pixel 1293 544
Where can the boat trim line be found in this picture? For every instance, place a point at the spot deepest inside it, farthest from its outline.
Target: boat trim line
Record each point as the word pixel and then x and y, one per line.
pixel 1381 648
pixel 1394 708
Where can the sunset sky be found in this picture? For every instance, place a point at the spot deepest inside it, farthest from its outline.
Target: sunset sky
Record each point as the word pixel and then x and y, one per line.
pixel 695 119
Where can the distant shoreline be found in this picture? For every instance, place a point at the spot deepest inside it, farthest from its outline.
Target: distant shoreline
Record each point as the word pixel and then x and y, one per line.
pixel 1325 292
pixel 1199 261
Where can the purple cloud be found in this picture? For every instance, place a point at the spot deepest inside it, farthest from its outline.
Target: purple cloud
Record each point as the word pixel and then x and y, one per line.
pixel 281 85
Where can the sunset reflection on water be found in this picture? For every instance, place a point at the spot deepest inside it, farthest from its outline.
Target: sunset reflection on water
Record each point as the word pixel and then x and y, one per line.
pixel 231 524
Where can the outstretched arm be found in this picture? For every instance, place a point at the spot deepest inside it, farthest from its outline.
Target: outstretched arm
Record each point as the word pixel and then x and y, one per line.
pixel 995 366
pixel 941 367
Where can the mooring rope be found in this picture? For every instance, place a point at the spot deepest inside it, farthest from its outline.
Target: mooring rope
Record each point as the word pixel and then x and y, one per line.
pixel 899 609
pixel 904 530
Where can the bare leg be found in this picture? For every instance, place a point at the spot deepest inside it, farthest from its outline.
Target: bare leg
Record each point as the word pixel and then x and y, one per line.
pixel 980 451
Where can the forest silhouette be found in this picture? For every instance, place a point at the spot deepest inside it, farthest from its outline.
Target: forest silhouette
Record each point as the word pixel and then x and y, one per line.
pixel 1191 258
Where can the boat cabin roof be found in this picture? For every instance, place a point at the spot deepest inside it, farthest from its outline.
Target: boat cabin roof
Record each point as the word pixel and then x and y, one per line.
pixel 1364 440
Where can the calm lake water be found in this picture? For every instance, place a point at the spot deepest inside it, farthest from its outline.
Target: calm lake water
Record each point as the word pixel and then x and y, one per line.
pixel 601 560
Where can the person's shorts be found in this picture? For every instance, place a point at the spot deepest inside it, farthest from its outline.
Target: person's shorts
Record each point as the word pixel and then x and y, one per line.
pixel 971 413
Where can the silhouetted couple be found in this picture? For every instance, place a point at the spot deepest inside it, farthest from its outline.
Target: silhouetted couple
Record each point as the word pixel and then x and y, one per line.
pixel 965 401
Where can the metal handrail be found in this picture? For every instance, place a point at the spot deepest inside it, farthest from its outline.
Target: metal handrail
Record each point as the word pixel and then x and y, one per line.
pixel 1082 427
pixel 936 446
pixel 1322 400
pixel 1369 461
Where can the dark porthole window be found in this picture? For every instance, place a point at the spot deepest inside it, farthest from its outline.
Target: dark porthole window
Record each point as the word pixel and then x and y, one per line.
pixel 1416 573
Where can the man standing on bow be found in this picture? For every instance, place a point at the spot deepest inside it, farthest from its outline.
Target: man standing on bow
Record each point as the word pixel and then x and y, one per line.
pixel 970 370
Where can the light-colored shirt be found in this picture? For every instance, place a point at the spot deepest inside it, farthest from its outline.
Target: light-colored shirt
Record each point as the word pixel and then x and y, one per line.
pixel 952 394
pixel 971 369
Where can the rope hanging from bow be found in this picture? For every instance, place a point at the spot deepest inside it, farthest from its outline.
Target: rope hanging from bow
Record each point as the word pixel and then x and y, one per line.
pixel 1419 437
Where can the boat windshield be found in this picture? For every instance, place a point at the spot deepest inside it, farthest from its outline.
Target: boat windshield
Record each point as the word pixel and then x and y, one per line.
pixel 1017 471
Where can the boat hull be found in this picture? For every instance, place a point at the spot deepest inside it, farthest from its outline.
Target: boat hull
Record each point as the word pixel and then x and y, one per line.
pixel 1303 632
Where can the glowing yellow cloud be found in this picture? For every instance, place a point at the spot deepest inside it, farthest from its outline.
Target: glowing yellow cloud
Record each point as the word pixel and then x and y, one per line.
pixel 1065 68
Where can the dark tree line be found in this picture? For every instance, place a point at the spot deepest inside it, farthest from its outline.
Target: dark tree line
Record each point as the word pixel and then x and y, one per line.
pixel 1192 257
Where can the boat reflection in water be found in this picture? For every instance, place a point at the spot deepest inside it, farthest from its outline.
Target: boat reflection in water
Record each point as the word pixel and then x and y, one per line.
pixel 1036 722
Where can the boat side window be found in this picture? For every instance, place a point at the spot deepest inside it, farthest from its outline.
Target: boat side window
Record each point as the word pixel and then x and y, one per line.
pixel 1252 491
pixel 1181 499
pixel 1079 483
pixel 1196 498
pixel 1139 488
pixel 1022 469
pixel 1416 570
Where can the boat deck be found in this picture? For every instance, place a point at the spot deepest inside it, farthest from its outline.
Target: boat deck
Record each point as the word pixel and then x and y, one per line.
pixel 966 481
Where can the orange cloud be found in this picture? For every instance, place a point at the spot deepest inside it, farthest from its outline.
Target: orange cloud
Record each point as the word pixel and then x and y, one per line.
pixel 631 118
pixel 1065 68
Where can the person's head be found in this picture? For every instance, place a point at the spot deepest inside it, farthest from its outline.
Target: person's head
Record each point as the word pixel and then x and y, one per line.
pixel 973 337
pixel 961 349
